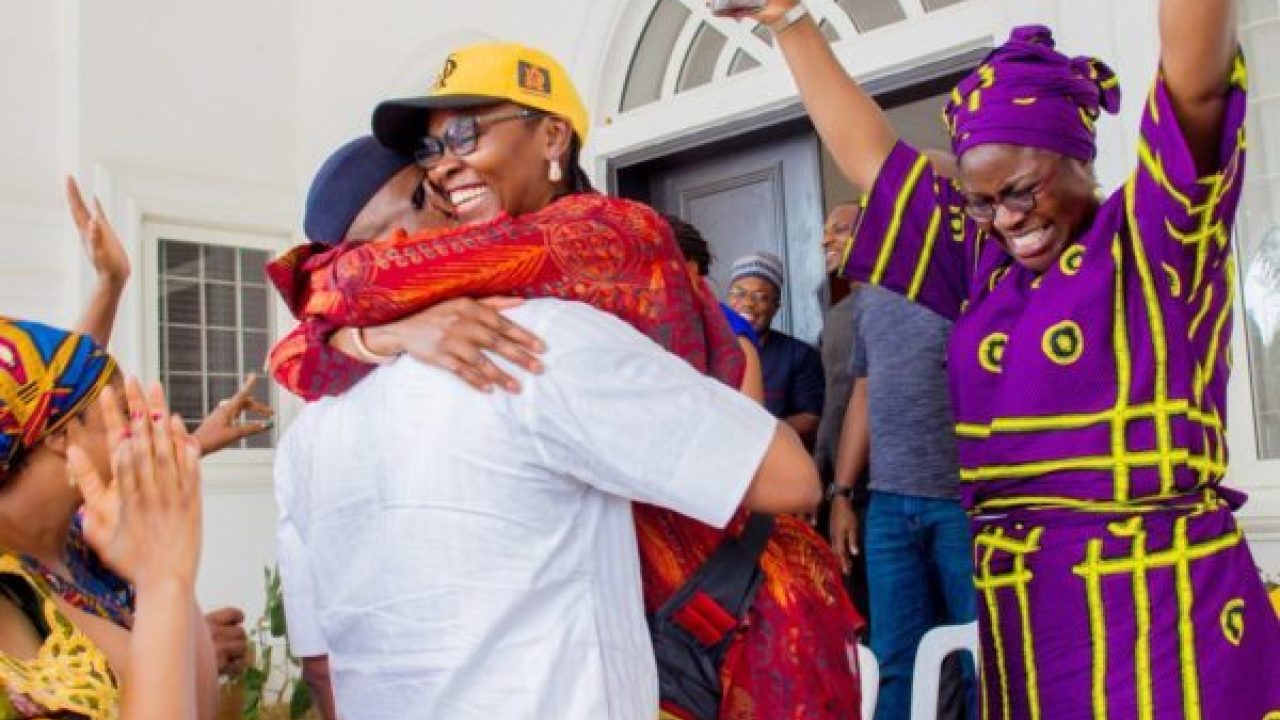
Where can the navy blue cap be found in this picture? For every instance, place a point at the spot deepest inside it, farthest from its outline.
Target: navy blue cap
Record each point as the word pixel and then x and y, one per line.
pixel 344 184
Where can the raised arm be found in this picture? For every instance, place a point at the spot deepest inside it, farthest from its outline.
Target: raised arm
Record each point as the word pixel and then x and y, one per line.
pixel 110 264
pixel 1197 45
pixel 850 123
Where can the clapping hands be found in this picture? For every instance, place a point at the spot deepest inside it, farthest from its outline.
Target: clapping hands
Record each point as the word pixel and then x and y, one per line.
pixel 145 520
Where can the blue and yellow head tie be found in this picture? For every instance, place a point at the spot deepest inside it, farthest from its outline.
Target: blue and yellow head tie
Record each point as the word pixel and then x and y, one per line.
pixel 47 376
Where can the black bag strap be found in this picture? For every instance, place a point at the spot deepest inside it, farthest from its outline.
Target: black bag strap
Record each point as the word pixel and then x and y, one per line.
pixel 731 574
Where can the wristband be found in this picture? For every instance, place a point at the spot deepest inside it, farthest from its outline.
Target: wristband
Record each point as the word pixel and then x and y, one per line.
pixel 368 356
pixel 834 491
pixel 789 18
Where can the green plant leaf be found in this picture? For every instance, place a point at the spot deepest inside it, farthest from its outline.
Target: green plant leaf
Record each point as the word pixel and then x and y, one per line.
pixel 254 682
pixel 278 624
pixel 300 702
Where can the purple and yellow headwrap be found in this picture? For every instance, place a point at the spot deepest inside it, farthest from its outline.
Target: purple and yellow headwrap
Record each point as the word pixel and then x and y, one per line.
pixel 47 375
pixel 1027 93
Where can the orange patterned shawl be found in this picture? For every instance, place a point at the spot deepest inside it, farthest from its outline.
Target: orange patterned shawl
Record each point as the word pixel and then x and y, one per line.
pixel 796 659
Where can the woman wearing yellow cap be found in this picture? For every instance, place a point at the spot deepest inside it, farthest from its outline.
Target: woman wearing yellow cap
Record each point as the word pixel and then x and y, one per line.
pixel 498 136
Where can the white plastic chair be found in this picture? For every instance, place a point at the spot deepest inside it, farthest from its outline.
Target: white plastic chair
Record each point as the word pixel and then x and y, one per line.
pixel 869 674
pixel 926 677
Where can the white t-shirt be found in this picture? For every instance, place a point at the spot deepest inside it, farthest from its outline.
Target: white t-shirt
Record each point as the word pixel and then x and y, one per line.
pixel 461 555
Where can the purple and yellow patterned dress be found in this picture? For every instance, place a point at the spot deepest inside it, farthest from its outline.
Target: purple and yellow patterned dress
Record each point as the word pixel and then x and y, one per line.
pixel 1113 580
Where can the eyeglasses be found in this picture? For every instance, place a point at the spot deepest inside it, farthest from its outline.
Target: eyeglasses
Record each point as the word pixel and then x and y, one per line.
pixel 1018 201
pixel 757 297
pixel 460 136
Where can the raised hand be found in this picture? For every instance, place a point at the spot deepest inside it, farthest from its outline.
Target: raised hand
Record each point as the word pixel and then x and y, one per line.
pixel 223 427
pixel 101 244
pixel 767 12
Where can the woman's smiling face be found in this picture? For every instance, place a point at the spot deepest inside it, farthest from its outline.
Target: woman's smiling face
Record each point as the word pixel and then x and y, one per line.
pixel 506 171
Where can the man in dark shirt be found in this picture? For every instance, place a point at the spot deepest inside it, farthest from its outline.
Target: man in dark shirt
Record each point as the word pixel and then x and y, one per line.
pixel 793 380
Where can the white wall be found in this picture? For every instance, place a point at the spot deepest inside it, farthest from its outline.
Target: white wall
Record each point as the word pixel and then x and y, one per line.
pixel 35 255
pixel 179 91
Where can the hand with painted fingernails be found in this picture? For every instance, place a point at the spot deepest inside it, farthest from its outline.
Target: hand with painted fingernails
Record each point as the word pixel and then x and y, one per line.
pixel 144 521
pixel 457 335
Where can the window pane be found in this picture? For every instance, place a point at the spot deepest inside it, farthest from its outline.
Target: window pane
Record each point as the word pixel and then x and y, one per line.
pixel 254 308
pixel 255 351
pixel 222 351
pixel 657 45
pixel 220 304
pixel 700 63
pixel 219 263
pixel 180 258
pixel 869 15
pixel 182 302
pixel 742 62
pixel 186 351
pixel 253 266
pixel 186 397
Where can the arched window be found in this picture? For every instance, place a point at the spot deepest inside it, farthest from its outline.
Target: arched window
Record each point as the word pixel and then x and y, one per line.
pixel 682 47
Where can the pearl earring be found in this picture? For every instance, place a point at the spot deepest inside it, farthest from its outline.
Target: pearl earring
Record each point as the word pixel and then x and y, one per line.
pixel 554 173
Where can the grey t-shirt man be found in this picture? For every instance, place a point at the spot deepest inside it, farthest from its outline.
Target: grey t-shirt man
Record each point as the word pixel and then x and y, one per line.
pixel 901 350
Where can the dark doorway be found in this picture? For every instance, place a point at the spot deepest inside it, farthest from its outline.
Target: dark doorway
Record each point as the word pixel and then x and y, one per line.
pixel 766 183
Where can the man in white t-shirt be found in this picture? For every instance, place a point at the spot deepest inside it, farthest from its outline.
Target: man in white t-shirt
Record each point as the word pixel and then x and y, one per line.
pixel 477 552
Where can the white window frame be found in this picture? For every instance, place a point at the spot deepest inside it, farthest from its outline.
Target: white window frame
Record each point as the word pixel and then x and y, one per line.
pixel 145 204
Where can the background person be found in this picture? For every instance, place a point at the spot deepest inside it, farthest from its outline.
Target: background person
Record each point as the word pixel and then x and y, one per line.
pixel 846 505
pixel 793 379
pixel 899 427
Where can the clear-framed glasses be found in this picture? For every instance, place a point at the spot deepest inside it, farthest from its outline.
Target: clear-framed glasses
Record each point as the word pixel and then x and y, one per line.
pixel 757 297
pixel 1017 201
pixel 461 134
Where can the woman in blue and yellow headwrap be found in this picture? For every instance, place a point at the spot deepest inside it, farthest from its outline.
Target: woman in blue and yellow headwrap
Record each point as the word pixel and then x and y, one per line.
pixel 72 641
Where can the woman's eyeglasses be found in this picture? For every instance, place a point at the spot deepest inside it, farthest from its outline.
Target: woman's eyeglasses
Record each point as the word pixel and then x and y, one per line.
pixel 460 136
pixel 1017 201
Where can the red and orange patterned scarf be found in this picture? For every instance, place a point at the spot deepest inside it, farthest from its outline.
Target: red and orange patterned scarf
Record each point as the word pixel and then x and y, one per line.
pixel 795 659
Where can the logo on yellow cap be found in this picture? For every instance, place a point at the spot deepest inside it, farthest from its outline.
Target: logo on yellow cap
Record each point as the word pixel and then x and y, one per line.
pixel 450 66
pixel 533 78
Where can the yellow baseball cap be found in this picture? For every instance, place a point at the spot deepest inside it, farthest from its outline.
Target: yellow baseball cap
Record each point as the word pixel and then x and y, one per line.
pixel 483 74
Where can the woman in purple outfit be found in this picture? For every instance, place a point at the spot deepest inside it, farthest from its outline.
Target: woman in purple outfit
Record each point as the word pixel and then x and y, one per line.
pixel 1088 364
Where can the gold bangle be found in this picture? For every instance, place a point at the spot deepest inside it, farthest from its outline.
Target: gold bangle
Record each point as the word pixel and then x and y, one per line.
pixel 789 18
pixel 368 356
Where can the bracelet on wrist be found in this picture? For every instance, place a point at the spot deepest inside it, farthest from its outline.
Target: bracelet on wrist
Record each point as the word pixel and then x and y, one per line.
pixel 366 355
pixel 792 16
pixel 834 491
